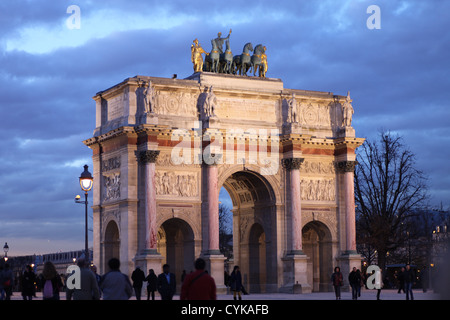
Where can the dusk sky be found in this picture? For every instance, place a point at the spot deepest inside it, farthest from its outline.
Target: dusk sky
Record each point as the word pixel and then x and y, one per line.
pixel 398 77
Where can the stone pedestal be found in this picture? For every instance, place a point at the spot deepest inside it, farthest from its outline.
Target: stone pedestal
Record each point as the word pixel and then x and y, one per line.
pixel 346 132
pixel 150 260
pixel 215 267
pixel 295 274
pixel 148 118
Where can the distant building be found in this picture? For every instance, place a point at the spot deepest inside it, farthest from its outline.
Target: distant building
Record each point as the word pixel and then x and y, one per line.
pixel 61 260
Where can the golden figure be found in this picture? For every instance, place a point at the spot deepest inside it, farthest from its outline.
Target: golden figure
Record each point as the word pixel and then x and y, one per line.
pixel 196 56
pixel 263 69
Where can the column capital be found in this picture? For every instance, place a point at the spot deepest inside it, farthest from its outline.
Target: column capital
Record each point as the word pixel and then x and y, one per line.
pixel 148 156
pixel 346 166
pixel 292 163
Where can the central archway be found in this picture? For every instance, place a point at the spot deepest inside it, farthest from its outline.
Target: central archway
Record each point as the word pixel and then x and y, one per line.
pixel 254 229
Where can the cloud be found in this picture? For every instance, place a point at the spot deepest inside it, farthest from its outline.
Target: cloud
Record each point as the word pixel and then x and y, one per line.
pixel 397 76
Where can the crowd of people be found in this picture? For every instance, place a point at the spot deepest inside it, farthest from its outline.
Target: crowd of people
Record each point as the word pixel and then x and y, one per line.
pixel 406 278
pixel 198 285
pixel 115 285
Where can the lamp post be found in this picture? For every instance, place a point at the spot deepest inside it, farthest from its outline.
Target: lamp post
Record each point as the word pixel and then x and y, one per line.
pixel 86 182
pixel 6 249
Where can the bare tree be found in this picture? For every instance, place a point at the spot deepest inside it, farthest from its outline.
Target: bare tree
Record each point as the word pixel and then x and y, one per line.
pixel 225 230
pixel 388 189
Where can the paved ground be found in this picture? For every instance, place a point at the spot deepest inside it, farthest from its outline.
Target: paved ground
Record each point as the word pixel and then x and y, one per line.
pixel 365 295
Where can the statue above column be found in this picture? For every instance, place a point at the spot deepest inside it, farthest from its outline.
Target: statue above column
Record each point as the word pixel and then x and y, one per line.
pixel 347 111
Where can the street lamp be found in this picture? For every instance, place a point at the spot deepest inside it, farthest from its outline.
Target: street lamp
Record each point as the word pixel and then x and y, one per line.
pixel 6 249
pixel 86 182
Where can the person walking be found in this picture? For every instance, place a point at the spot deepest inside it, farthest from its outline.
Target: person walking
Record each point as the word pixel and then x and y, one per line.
pixel 7 282
pixel 138 278
pixel 88 285
pixel 166 283
pixel 401 280
pixel 354 278
pixel 52 282
pixel 152 280
pixel 115 285
pixel 28 279
pixel 381 284
pixel 236 282
pixel 198 285
pixel 97 276
pixel 338 281
pixel 409 278
pixel 361 282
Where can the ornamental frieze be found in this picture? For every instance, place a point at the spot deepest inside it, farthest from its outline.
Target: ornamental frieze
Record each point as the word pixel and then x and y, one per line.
pixel 315 167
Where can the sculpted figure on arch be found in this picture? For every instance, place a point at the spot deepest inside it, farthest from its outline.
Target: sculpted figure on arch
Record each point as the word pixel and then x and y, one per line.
pixel 347 111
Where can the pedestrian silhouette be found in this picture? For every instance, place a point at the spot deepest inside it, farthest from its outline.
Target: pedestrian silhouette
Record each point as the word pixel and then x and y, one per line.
pixel 401 280
pixel 354 278
pixel 198 285
pixel 89 286
pixel 236 282
pixel 138 278
pixel 152 280
pixel 166 283
pixel 115 285
pixel 27 281
pixel 338 281
pixel 409 278
pixel 52 282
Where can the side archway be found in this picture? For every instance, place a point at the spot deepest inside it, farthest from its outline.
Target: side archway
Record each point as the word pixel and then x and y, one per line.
pixel 111 242
pixel 317 245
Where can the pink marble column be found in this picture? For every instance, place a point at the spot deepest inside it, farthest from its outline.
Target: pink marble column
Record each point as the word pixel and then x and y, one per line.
pixel 348 168
pixel 292 165
pixel 213 209
pixel 149 157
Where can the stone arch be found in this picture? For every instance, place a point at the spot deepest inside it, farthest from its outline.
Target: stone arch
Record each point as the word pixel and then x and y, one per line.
pixel 111 243
pixel 271 181
pixel 317 245
pixel 254 228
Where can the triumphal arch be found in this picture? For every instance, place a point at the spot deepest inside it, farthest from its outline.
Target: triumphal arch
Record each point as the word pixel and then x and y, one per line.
pixel 164 147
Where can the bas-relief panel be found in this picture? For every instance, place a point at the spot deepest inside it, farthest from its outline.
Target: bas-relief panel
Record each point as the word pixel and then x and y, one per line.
pixel 318 182
pixel 312 114
pixel 110 169
pixel 176 183
pixel 173 182
pixel 176 103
